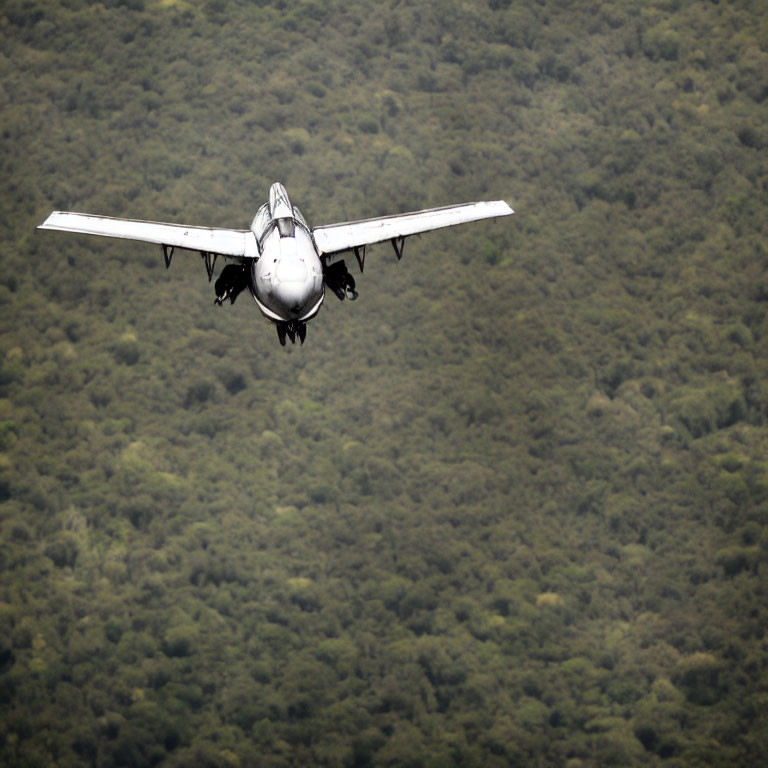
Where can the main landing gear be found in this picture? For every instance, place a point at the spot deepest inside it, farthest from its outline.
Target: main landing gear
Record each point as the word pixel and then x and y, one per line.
pixel 338 279
pixel 232 281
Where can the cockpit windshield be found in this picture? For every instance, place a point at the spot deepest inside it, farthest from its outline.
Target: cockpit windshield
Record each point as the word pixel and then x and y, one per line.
pixel 260 223
pixel 299 217
pixel 287 227
pixel 265 220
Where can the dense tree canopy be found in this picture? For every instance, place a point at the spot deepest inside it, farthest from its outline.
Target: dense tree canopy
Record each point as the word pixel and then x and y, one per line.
pixel 508 508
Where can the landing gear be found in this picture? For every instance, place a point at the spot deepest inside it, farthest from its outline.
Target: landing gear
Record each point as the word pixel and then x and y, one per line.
pixel 291 329
pixel 338 279
pixel 232 281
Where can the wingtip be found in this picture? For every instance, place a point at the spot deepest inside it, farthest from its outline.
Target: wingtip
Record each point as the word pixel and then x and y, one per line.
pixel 47 223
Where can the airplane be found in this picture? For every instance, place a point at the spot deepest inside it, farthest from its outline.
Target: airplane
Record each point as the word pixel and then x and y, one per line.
pixel 284 263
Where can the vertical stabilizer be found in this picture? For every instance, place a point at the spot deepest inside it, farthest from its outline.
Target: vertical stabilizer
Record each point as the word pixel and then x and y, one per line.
pixel 279 205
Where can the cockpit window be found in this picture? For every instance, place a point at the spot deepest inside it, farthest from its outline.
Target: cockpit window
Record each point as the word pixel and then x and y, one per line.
pixel 260 223
pixel 287 227
pixel 297 214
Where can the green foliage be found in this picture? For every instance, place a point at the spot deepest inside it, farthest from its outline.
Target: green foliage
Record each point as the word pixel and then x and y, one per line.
pixel 509 508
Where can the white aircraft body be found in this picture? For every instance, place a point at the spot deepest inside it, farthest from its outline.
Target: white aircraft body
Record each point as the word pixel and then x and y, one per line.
pixel 285 264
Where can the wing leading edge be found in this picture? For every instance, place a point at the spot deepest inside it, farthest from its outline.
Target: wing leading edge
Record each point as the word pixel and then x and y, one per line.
pixel 356 234
pixel 225 242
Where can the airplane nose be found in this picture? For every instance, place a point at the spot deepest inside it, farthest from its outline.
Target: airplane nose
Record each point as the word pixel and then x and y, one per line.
pixel 294 296
pixel 293 287
pixel 293 271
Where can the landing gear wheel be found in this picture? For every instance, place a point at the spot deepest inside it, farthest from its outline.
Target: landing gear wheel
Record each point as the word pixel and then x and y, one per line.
pixel 338 279
pixel 232 281
pixel 290 330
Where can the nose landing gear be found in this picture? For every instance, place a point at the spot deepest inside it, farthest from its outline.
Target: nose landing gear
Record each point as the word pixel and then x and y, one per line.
pixel 291 330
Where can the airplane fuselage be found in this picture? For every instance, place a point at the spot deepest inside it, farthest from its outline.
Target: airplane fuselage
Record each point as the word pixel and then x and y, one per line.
pixel 286 280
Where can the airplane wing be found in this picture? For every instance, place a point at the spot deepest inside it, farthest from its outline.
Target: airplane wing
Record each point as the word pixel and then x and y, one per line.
pixel 356 234
pixel 225 242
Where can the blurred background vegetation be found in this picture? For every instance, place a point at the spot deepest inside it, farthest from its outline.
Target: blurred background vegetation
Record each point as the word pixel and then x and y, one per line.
pixel 509 508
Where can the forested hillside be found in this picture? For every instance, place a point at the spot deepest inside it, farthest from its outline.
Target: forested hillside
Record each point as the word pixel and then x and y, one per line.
pixel 508 508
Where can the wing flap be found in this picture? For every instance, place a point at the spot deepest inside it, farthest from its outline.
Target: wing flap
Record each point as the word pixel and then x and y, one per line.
pixel 226 242
pixel 343 237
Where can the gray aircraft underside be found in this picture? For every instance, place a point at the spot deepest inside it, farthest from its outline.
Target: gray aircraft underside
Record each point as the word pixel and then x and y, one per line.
pixel 285 264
